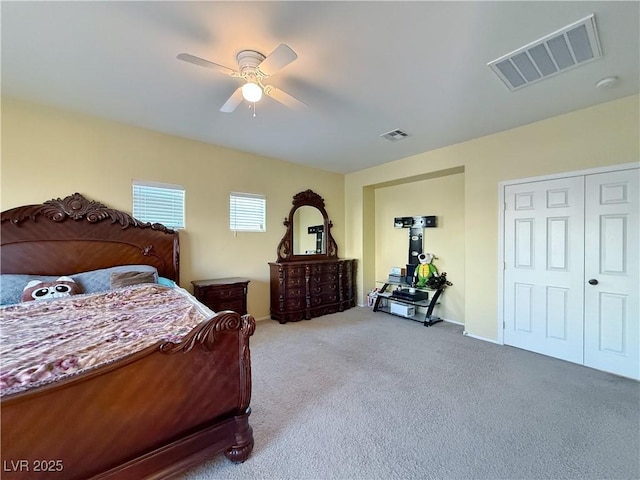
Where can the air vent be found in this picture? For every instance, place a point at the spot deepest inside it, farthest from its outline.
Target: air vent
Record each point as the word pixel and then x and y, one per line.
pixel 558 52
pixel 394 135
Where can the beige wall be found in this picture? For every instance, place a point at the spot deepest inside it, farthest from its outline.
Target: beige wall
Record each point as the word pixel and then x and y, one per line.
pixel 49 153
pixel 606 134
pixel 442 197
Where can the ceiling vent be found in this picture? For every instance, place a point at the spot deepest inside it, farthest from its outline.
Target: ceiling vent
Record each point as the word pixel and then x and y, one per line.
pixel 569 47
pixel 394 135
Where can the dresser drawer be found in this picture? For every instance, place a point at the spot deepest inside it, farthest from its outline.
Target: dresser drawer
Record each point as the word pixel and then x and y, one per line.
pixel 323 268
pixel 295 303
pixel 324 299
pixel 295 282
pixel 324 278
pixel 320 288
pixel 297 271
pixel 295 292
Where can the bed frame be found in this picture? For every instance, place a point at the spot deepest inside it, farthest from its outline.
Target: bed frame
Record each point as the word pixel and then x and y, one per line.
pixel 152 414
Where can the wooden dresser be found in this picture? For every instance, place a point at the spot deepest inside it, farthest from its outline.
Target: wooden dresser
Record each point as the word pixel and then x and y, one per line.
pixel 306 289
pixel 223 293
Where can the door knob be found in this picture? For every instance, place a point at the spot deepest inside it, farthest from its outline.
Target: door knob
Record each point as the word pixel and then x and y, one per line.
pixel 593 281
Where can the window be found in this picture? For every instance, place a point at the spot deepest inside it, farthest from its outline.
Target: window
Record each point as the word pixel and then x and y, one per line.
pixel 159 203
pixel 247 212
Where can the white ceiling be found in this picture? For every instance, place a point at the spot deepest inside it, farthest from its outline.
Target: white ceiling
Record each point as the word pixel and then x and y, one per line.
pixel 363 69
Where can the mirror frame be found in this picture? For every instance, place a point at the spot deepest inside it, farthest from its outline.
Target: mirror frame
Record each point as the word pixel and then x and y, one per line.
pixel 285 247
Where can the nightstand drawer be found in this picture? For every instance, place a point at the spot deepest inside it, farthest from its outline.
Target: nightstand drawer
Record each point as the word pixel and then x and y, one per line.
pixel 222 293
pixel 235 305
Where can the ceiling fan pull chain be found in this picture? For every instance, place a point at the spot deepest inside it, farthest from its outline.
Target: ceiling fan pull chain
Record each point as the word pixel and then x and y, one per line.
pixel 254 109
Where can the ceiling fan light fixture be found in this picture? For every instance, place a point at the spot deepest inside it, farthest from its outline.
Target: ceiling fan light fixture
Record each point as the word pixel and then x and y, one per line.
pixel 251 92
pixel 253 68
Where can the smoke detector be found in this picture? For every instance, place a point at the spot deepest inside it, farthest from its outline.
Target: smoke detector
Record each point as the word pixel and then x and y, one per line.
pixel 607 82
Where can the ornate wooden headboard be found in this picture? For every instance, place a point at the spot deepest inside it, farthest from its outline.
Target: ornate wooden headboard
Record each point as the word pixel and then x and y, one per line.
pixel 73 235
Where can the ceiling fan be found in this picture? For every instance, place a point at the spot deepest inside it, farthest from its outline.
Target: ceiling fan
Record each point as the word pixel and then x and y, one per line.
pixel 253 68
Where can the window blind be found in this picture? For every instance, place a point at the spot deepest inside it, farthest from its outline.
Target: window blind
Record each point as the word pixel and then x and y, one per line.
pixel 159 203
pixel 247 212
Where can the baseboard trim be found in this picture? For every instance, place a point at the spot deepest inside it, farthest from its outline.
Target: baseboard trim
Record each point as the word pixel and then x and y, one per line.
pixel 455 322
pixel 478 337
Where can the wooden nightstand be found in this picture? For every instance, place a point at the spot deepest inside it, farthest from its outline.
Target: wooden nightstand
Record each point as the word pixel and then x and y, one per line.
pixel 223 293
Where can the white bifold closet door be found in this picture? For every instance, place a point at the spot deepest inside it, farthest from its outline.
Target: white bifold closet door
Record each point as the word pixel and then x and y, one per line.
pixel 571 279
pixel 612 248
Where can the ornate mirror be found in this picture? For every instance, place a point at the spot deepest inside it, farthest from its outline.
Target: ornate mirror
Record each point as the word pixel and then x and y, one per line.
pixel 308 234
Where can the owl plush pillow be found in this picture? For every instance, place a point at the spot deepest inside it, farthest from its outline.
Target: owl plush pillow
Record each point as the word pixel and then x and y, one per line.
pixel 39 290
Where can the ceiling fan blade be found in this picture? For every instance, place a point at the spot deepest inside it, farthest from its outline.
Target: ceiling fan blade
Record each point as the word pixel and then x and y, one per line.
pixel 205 63
pixel 232 103
pixel 284 98
pixel 278 59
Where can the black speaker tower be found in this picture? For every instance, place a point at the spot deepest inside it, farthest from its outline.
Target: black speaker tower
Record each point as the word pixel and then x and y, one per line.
pixel 415 226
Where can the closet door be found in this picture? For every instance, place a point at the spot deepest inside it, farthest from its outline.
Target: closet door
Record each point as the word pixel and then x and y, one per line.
pixel 612 265
pixel 544 267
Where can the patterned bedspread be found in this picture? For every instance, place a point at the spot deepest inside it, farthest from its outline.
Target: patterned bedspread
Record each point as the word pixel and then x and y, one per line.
pixel 41 342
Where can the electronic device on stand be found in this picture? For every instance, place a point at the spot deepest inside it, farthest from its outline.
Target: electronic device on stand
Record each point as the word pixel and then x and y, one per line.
pixel 415 225
pixel 404 300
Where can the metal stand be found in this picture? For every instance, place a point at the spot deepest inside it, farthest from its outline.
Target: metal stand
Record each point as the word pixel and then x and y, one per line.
pixel 429 319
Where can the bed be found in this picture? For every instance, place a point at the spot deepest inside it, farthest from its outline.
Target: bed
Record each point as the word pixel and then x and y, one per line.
pixel 151 413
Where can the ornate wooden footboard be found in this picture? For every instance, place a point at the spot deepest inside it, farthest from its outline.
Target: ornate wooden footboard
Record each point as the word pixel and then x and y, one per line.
pixel 149 415
pixel 157 412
